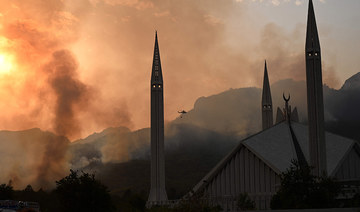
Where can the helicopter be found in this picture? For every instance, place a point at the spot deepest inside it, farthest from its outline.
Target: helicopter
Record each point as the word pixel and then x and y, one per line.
pixel 182 112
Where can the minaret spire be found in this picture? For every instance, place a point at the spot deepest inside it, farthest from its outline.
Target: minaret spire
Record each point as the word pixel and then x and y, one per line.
pixel 315 103
pixel 157 194
pixel 266 103
pixel 156 74
pixel 312 37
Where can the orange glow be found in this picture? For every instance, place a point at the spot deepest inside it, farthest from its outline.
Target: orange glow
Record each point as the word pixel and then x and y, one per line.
pixel 6 63
pixel 75 68
pixel 7 59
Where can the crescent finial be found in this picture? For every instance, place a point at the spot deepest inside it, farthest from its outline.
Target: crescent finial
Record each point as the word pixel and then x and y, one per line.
pixel 286 99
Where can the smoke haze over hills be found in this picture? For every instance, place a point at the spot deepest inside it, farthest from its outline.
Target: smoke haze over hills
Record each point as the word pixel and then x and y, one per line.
pixel 32 157
pixel 206 46
pixel 211 129
pixel 234 114
pixel 72 68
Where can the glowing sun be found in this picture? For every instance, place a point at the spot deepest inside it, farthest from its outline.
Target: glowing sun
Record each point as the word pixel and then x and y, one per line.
pixel 5 63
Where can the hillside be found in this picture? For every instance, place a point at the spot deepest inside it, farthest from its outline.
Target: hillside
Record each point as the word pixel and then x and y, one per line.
pixel 32 157
pixel 193 143
pixel 190 153
pixel 198 140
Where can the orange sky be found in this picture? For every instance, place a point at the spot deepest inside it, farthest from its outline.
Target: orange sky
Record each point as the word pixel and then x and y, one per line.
pixel 75 67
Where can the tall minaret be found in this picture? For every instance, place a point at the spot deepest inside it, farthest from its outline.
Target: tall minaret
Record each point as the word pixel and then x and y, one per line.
pixel 315 96
pixel 157 194
pixel 267 111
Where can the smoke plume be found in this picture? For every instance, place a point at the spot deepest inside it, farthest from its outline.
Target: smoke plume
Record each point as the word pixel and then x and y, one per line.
pixel 70 93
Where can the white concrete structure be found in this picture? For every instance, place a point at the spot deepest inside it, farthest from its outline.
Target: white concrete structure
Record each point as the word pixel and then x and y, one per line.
pixel 315 96
pixel 256 164
pixel 157 194
pixel 266 103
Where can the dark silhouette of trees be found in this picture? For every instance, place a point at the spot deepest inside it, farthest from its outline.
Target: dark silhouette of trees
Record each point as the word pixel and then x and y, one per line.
pixel 300 189
pixel 46 199
pixel 27 210
pixel 6 191
pixel 245 203
pixel 83 192
pixel 130 201
pixel 355 202
pixel 196 203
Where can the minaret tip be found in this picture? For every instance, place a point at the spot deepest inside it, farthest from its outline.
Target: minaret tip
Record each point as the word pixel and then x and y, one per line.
pixel 156 76
pixel 267 114
pixel 312 38
pixel 265 66
pixel 311 8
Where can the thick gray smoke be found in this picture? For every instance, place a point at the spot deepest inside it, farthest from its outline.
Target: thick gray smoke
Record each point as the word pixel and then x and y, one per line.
pixel 71 95
pixel 223 119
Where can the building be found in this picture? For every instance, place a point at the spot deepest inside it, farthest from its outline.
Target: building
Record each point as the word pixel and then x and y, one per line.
pixel 255 165
pixel 157 194
pixel 286 113
pixel 315 98
pixel 266 102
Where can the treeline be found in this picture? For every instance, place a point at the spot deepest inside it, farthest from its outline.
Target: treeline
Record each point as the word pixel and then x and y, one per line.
pixel 77 192
pixel 300 189
pixel 82 192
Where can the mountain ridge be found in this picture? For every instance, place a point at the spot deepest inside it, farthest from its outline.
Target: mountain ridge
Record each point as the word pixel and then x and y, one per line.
pixel 204 135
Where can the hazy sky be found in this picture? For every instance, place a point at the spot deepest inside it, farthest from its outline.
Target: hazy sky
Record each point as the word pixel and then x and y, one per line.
pixel 75 67
pixel 337 22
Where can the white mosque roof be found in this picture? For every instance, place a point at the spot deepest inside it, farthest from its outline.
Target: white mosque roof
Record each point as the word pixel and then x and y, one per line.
pixel 275 147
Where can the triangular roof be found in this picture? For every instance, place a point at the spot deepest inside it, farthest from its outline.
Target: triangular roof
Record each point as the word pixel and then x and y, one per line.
pixel 276 148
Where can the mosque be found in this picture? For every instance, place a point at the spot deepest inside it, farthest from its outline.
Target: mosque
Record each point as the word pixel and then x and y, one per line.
pixel 255 165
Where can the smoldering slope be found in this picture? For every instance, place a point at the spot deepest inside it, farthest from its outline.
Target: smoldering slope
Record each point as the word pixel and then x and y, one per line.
pixel 218 122
pixel 215 125
pixel 32 157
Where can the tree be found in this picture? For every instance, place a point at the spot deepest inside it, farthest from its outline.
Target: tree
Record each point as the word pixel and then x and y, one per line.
pixel 300 189
pixel 83 192
pixel 355 202
pixel 245 203
pixel 6 191
pixel 130 202
pixel 27 210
